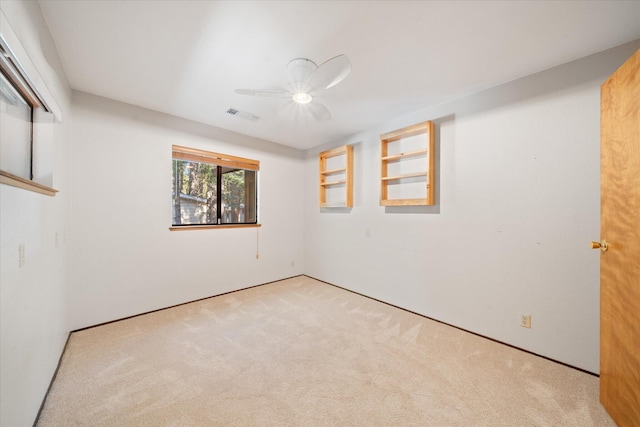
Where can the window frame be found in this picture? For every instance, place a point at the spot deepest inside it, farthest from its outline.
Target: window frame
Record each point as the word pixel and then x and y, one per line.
pixel 220 161
pixel 15 75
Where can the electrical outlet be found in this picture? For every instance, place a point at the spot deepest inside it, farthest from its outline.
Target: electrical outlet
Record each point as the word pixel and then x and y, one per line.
pixel 525 320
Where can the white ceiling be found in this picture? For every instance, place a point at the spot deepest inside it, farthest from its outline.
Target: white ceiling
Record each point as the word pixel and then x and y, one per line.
pixel 186 57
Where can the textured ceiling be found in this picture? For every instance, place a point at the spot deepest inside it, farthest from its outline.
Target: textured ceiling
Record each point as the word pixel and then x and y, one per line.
pixel 185 58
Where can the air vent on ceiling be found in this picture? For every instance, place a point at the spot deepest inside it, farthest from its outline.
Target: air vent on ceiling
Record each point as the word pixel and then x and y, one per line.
pixel 243 114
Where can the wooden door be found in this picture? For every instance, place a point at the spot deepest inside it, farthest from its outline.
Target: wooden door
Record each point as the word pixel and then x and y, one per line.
pixel 620 227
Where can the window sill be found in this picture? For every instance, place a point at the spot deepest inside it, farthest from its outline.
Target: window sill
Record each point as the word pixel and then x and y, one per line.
pixel 25 184
pixel 211 227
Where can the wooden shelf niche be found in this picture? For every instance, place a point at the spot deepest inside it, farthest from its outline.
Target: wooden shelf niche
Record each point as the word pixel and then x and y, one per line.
pixel 336 177
pixel 406 157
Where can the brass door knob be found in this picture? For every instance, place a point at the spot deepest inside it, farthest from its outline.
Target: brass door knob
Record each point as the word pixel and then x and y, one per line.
pixel 603 246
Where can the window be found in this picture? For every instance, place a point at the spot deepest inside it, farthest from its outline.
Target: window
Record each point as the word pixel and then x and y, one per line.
pixel 213 189
pixel 16 115
pixel 21 106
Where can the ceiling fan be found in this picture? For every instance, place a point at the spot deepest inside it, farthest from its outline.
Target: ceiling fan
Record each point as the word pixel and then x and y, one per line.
pixel 305 81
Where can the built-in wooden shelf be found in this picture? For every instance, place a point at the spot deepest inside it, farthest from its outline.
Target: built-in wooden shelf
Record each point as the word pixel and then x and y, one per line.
pixel 333 171
pixel 406 175
pixel 344 181
pixel 406 155
pixel 404 169
pixel 340 160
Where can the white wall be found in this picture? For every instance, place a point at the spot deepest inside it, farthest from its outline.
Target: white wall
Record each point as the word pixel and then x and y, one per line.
pixel 125 259
pixel 517 203
pixel 34 299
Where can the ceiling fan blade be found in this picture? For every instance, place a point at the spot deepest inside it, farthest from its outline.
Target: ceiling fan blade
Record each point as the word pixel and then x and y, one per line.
pixel 294 111
pixel 291 111
pixel 266 93
pixel 329 73
pixel 318 111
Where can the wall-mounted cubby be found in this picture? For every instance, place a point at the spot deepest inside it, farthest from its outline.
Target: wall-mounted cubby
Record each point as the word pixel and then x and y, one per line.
pixel 406 159
pixel 336 177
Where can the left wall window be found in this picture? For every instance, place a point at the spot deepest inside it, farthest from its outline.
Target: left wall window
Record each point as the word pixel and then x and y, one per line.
pixel 16 116
pixel 20 104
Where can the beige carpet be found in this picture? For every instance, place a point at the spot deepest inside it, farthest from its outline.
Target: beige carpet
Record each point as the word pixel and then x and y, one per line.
pixel 303 353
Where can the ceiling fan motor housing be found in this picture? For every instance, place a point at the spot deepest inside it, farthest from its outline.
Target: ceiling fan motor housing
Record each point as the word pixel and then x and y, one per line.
pixel 299 70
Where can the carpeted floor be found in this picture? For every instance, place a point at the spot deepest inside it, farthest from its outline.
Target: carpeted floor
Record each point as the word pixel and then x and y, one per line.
pixel 304 353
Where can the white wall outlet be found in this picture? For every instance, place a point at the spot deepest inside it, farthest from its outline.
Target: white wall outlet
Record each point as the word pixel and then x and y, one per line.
pixel 525 320
pixel 21 255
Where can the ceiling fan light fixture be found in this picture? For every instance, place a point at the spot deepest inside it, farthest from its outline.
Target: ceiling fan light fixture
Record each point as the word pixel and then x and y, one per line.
pixel 302 98
pixel 306 78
